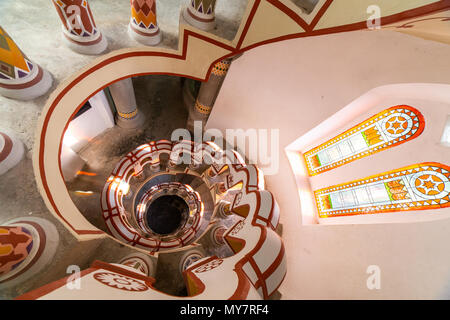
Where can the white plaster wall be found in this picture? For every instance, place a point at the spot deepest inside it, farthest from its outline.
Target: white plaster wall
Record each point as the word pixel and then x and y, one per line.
pixel 425 148
pixel 294 86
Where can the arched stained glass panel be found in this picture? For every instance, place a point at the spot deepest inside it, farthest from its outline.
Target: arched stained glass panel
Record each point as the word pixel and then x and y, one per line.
pixel 385 130
pixel 417 187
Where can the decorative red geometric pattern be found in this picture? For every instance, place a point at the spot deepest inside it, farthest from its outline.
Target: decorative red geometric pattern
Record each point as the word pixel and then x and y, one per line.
pixel 15 245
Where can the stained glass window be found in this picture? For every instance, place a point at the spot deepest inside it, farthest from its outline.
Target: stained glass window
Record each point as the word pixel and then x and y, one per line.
pixel 386 129
pixel 417 187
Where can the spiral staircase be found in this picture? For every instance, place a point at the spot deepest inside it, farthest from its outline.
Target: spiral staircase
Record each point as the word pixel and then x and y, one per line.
pixel 201 214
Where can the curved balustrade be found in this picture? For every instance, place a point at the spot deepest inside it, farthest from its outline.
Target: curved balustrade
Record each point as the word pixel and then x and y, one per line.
pixel 190 227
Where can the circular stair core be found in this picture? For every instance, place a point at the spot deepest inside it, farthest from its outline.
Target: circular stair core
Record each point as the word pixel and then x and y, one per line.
pixel 166 213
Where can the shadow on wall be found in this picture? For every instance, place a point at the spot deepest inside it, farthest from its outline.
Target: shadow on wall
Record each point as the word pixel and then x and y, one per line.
pixel 431 101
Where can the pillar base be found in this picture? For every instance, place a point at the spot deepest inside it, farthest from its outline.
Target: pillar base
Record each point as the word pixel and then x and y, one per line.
pixel 89 45
pixel 189 258
pixel 190 125
pixel 133 123
pixel 38 254
pixel 34 85
pixel 188 98
pixel 207 24
pixel 11 152
pixel 148 39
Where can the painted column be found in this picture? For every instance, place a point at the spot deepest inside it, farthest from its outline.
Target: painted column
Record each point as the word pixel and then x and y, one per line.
pixel 200 14
pixel 20 78
pixel 140 262
pixel 78 26
pixel 143 26
pixel 190 92
pixel 213 177
pixel 128 115
pixel 221 188
pixel 27 245
pixel 11 152
pixel 207 94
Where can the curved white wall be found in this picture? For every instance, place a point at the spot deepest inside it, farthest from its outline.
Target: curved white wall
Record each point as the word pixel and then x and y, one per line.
pixel 297 84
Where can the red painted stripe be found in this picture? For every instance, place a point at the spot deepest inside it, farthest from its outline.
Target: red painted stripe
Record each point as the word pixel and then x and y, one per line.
pixel 42 291
pixel 320 14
